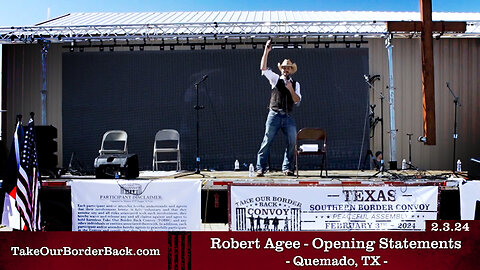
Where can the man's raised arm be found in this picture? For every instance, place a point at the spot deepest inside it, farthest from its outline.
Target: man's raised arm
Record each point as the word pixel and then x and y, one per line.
pixel 268 48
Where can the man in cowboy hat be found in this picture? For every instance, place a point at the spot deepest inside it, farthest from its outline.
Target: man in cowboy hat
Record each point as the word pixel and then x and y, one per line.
pixel 285 93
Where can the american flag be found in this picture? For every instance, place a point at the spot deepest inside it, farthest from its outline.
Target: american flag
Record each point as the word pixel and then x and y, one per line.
pixel 21 206
pixel 28 181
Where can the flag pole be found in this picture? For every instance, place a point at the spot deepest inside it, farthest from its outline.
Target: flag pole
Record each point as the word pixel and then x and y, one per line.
pixel 19 122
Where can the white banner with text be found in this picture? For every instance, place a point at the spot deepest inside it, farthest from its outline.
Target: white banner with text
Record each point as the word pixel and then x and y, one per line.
pixel 139 205
pixel 339 208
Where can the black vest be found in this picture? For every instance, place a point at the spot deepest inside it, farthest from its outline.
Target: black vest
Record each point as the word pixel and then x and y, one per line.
pixel 281 99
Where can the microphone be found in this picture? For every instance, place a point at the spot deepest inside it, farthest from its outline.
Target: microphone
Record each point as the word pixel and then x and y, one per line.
pixel 371 79
pixel 454 96
pixel 203 79
pixel 422 139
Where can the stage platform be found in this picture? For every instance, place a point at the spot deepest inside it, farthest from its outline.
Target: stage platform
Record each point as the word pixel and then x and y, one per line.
pixel 221 179
pixel 56 196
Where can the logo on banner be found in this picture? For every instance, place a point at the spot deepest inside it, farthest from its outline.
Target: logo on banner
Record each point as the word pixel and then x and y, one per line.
pixel 131 189
pixel 268 213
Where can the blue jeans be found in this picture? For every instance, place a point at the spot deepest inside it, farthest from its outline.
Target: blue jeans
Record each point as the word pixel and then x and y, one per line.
pixel 276 121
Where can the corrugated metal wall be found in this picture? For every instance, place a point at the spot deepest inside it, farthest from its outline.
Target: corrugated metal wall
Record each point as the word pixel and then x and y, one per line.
pixel 456 61
pixel 23 80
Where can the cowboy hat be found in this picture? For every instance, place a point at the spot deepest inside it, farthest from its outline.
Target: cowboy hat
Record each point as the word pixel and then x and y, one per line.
pixel 288 63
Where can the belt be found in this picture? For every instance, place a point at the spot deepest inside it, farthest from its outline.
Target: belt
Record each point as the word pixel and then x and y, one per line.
pixel 280 111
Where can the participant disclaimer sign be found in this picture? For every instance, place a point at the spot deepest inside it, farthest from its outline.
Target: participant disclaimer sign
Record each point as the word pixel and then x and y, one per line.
pixel 339 208
pixel 140 205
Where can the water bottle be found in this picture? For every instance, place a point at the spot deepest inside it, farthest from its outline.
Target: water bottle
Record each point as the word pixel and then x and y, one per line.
pixel 237 165
pixel 117 175
pixel 251 170
pixel 404 164
pixel 459 166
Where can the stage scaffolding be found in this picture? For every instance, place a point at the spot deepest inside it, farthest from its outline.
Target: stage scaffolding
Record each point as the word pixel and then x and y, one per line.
pixel 211 32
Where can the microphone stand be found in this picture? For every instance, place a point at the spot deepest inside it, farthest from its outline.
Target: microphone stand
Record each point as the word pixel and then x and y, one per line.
pixel 382 97
pixel 369 80
pixel 409 163
pixel 455 135
pixel 197 108
pixel 373 124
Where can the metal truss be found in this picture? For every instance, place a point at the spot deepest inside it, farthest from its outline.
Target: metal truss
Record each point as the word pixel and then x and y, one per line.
pixel 208 31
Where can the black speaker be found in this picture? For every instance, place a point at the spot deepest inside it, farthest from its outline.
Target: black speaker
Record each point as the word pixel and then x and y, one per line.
pixel 56 208
pixel 47 148
pixel 474 169
pixel 393 165
pixel 112 165
pixel 449 205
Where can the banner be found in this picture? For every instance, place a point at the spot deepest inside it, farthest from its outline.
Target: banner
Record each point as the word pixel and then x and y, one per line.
pixel 443 245
pixel 470 200
pixel 139 205
pixel 339 208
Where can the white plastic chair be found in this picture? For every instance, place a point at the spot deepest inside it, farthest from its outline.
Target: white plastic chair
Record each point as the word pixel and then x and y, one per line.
pixel 113 136
pixel 166 135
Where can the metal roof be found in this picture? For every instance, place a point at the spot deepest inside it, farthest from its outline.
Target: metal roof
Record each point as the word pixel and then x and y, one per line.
pixel 222 24
pixel 115 18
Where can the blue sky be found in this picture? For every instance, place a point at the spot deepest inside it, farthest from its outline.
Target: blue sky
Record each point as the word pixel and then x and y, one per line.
pixel 19 12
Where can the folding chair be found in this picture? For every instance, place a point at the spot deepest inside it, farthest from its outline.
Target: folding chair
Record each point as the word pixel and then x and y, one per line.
pixel 160 148
pixel 114 160
pixel 114 142
pixel 312 141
